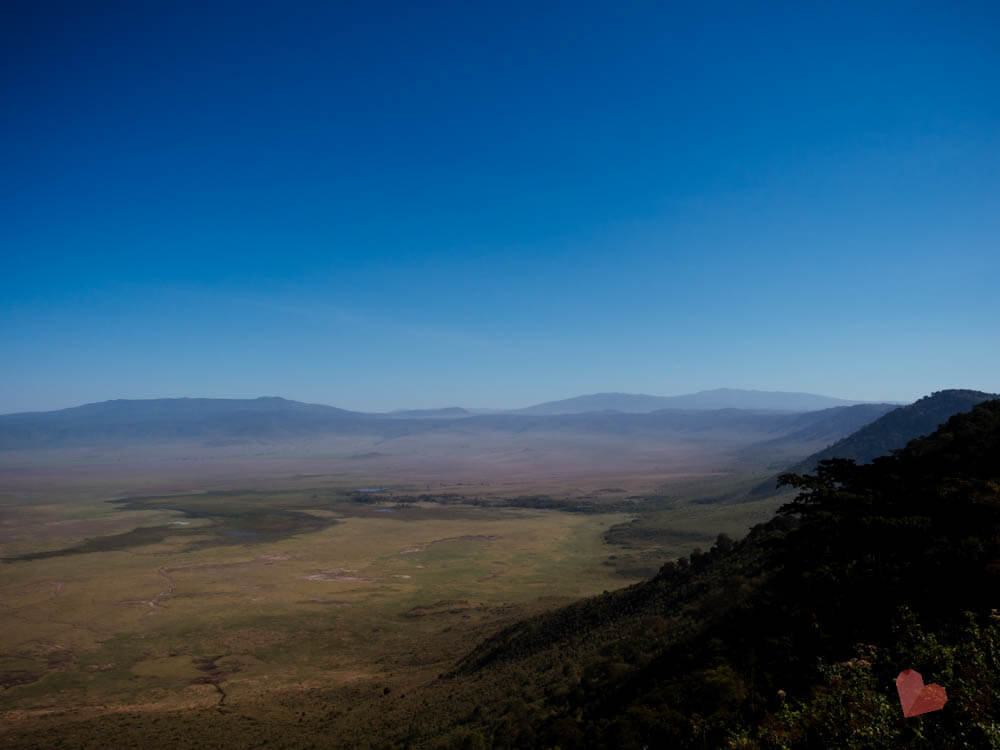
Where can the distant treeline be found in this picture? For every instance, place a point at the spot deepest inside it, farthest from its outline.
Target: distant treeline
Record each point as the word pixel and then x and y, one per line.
pixel 541 502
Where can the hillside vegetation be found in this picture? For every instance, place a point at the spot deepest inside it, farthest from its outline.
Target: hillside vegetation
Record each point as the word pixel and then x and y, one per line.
pixel 889 432
pixel 792 637
pixel 895 429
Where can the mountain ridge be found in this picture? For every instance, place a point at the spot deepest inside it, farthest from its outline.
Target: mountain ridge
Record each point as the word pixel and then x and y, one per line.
pixel 719 398
pixel 155 421
pixel 889 432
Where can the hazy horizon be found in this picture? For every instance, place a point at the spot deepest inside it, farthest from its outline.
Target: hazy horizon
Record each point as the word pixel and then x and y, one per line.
pixel 472 407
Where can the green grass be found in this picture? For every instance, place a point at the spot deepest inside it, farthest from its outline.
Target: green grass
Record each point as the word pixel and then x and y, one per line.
pixel 285 608
pixel 119 612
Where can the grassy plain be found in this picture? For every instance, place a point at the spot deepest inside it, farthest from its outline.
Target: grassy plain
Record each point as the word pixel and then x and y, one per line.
pixel 300 611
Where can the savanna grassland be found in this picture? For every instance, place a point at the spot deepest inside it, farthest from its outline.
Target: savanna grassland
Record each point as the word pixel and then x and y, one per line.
pixel 293 607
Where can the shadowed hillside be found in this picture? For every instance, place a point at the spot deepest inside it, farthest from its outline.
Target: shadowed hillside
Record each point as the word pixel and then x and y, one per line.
pixel 898 427
pixel 808 429
pixel 791 637
pixel 888 433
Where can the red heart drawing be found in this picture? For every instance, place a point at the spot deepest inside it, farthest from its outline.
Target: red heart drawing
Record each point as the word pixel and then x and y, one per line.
pixel 917 698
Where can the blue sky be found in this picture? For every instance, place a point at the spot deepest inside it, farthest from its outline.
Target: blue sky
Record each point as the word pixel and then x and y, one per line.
pixel 377 206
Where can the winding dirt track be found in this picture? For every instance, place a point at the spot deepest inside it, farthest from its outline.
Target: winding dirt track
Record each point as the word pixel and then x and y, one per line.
pixel 154 603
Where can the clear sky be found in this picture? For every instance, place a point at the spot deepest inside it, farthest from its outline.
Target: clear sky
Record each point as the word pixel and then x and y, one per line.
pixel 380 205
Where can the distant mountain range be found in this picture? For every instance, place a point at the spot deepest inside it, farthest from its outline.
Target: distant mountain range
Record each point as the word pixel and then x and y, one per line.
pixel 629 403
pixel 761 430
pixel 780 433
pixel 720 398
pixel 170 419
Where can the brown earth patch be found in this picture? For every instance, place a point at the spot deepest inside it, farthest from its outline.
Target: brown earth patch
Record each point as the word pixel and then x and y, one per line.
pixel 18 677
pixel 466 538
pixel 338 574
pixel 443 607
pixel 54 656
pixel 273 558
pixel 256 562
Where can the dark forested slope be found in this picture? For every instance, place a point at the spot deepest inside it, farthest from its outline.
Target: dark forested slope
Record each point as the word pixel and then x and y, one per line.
pixel 895 429
pixel 888 433
pixel 791 637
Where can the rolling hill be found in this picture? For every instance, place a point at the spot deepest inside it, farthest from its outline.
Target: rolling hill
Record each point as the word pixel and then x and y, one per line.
pixel 173 419
pixel 897 428
pixel 887 433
